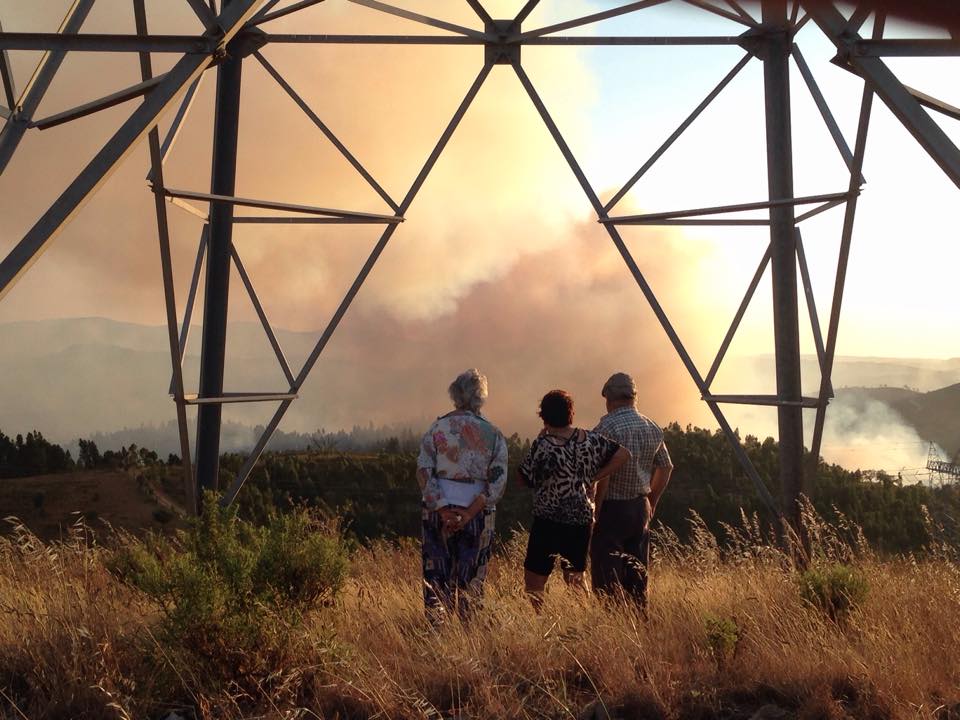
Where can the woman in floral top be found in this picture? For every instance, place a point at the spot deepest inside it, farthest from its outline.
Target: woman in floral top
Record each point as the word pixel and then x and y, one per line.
pixel 568 470
pixel 462 471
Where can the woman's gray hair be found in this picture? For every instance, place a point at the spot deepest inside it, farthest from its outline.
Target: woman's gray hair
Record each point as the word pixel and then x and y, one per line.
pixel 469 390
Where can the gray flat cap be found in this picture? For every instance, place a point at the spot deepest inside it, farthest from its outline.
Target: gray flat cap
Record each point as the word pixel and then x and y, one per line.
pixel 620 386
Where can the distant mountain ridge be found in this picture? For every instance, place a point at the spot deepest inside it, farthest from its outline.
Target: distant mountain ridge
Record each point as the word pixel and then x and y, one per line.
pixel 918 374
pixel 935 415
pixel 80 377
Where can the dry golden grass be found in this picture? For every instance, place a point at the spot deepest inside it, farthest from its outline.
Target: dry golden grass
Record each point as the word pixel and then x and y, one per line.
pixel 76 643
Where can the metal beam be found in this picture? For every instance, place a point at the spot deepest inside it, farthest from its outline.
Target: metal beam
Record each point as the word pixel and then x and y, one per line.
pixel 786 328
pixel 737 318
pixel 718 88
pixel 166 265
pixel 239 397
pixel 933 103
pixel 747 17
pixel 191 299
pixel 585 20
pixel 223 177
pixel 734 17
pixel 267 327
pixel 709 222
pixel 889 89
pixel 762 400
pixel 794 13
pixel 26 106
pixel 300 220
pixel 905 48
pixel 846 237
pixel 203 12
pixel 195 211
pixel 823 107
pixel 635 40
pixel 357 284
pixel 174 130
pixel 817 210
pixel 136 127
pixel 528 7
pixel 650 218
pixel 6 78
pixel 95 106
pixel 562 40
pixel 308 111
pixel 811 302
pixel 858 17
pixel 283 12
pixel 328 39
pixel 286 207
pixel 481 12
pixel 107 42
pixel 267 7
pixel 424 19
pixel 927 101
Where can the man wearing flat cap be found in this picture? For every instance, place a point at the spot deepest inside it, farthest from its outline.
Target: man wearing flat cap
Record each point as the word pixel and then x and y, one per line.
pixel 620 546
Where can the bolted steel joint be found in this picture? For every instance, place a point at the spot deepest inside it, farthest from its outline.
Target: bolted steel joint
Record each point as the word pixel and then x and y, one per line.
pixel 766 41
pixel 501 52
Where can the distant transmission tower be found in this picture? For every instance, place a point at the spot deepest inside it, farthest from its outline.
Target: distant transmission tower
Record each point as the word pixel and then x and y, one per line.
pixel 941 471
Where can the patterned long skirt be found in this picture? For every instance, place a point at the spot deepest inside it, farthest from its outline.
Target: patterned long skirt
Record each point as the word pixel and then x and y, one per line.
pixel 455 564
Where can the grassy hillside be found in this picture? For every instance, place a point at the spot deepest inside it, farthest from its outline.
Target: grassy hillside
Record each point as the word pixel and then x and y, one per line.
pixel 935 415
pixel 50 504
pixel 732 635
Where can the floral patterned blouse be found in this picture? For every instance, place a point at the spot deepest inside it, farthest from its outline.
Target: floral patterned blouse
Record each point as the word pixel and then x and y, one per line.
pixel 463 447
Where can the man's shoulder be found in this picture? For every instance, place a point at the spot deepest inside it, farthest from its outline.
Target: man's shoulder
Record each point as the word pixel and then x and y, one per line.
pixel 647 421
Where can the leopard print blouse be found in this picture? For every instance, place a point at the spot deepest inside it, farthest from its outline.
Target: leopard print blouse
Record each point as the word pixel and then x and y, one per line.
pixel 561 474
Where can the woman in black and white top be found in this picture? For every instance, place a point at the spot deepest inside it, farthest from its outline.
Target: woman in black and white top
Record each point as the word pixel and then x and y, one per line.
pixel 567 468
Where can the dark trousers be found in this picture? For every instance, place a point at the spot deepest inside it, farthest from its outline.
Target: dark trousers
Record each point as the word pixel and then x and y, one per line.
pixel 620 549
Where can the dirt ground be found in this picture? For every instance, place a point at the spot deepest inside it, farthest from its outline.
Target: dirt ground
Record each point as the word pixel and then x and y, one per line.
pixel 49 504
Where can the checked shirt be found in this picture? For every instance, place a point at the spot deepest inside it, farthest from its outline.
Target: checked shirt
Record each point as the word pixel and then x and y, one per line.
pixel 644 439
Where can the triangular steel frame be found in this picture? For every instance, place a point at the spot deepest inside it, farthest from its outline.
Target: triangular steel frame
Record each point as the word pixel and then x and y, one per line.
pixel 235 32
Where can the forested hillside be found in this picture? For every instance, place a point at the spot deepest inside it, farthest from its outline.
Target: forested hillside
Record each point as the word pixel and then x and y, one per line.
pixel 933 414
pixel 372 487
pixel 377 496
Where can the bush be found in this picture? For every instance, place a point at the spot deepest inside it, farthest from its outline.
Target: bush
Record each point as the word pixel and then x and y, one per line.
pixel 723 638
pixel 836 589
pixel 231 593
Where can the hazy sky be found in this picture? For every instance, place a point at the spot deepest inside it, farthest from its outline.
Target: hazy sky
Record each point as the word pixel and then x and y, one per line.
pixel 501 240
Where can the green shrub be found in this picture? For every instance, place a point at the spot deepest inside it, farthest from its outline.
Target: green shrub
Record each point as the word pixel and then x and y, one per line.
pixel 231 593
pixel 723 638
pixel 836 589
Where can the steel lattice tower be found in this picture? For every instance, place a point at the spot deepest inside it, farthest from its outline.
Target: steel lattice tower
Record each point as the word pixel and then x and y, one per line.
pixel 237 31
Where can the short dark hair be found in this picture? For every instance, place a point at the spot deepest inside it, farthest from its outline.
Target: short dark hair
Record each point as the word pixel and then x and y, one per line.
pixel 556 408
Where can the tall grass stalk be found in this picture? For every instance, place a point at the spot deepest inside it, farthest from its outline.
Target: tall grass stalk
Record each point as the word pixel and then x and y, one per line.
pixel 76 642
